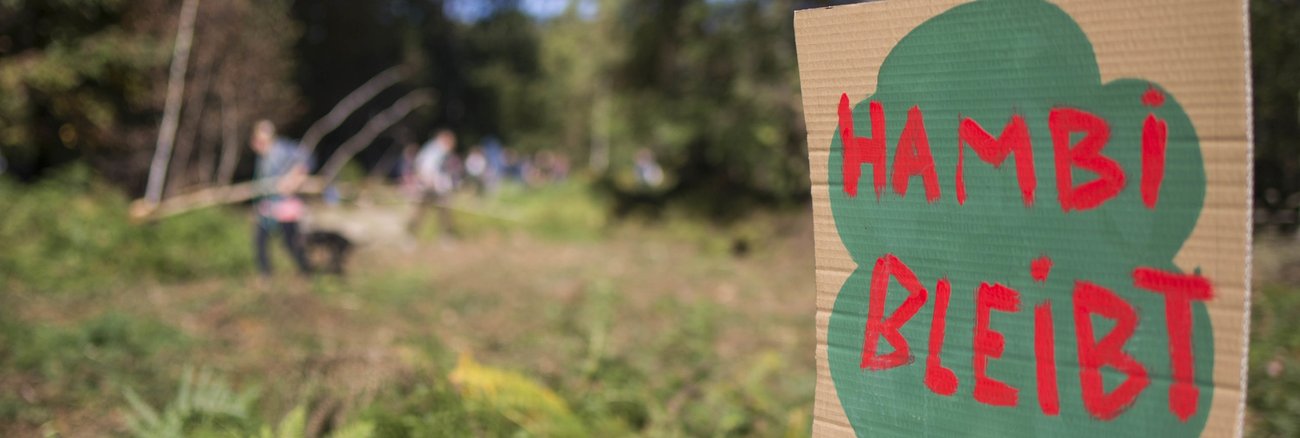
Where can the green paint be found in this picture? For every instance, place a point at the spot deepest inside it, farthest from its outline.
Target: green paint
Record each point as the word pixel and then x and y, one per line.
pixel 988 60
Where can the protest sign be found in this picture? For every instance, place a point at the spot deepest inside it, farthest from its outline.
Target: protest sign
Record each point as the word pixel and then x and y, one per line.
pixel 1031 217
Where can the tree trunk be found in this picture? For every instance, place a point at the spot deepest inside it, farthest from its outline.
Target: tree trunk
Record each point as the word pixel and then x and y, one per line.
pixel 208 130
pixel 229 141
pixel 178 173
pixel 171 110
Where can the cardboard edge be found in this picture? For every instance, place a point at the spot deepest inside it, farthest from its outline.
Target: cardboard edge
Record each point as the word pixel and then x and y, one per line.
pixel 818 8
pixel 1250 222
pixel 798 18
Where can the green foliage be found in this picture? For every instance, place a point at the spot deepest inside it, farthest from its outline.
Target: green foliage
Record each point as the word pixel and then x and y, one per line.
pixel 1274 362
pixel 84 362
pixel 293 425
pixel 205 405
pixel 75 77
pixel 433 408
pixel 70 233
pixel 570 210
pixel 712 89
pixel 535 408
pixel 1275 55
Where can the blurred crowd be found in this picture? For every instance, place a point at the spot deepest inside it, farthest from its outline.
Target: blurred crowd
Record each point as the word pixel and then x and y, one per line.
pixel 428 175
pixel 436 168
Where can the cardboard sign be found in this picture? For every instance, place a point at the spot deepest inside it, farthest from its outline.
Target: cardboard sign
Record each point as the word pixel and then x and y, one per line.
pixel 1031 216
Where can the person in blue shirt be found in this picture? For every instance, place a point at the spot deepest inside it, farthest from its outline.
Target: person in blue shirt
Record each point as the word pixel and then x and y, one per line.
pixel 282 168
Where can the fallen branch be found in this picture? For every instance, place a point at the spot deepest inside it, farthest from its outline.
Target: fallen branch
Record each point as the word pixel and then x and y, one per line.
pixel 144 210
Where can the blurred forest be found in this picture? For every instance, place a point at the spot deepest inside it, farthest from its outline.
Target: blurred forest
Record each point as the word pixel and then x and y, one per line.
pixel 711 87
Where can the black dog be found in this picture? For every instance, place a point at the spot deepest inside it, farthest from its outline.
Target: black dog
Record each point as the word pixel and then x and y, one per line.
pixel 328 250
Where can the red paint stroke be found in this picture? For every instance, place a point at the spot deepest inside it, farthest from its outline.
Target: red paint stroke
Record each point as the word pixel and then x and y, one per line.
pixel 1040 268
pixel 989 343
pixel 939 378
pixel 1014 139
pixel 1087 155
pixel 1179 291
pixel 858 150
pixel 1154 134
pixel 1090 299
pixel 1045 355
pixel 1153 98
pixel 877 325
pixel 912 157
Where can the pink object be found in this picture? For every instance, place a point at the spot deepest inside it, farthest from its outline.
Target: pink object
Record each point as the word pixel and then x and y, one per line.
pixel 288 209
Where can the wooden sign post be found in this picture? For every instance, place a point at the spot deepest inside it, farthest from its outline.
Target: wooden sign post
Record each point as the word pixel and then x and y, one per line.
pixel 1031 216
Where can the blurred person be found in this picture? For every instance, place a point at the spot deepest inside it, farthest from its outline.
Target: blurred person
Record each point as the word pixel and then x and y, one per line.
pixel 282 168
pixel 406 179
pixel 514 167
pixel 560 167
pixel 533 169
pixel 648 171
pixel 552 167
pixel 476 168
pixel 434 181
pixel 496 163
pixel 455 168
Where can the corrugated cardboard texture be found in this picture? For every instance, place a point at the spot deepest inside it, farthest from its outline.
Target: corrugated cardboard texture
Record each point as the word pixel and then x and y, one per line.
pixel 1195 49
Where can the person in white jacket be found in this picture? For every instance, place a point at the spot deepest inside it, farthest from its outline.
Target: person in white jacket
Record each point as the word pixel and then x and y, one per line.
pixel 434 181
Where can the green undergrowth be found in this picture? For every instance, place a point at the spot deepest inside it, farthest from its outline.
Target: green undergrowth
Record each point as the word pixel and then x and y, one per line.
pixel 83 363
pixel 70 233
pixel 675 386
pixel 569 211
pixel 1274 391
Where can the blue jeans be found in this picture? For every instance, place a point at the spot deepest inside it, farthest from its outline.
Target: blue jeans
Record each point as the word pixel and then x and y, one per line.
pixel 292 241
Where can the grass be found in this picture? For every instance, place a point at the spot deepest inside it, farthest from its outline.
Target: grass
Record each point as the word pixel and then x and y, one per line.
pixel 536 322
pixel 544 319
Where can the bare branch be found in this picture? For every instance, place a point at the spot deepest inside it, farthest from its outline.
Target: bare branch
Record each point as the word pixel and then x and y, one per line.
pixel 373 128
pixel 350 104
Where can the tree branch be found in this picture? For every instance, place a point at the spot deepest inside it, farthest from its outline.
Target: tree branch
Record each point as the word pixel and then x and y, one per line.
pixel 373 128
pixel 350 104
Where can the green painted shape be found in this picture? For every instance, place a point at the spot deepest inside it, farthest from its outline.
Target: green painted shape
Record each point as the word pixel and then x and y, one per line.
pixel 987 60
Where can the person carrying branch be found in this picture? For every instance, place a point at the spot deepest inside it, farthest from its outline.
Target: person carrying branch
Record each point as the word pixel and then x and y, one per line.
pixel 433 177
pixel 282 168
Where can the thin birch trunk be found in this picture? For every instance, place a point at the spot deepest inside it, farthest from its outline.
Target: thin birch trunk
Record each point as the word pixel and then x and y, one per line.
pixel 171 109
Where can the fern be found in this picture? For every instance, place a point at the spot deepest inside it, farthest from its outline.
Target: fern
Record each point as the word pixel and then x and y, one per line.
pixel 360 429
pixel 293 425
pixel 202 397
pixel 536 409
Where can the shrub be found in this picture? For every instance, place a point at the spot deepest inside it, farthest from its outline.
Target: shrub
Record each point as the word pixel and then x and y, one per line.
pixel 70 233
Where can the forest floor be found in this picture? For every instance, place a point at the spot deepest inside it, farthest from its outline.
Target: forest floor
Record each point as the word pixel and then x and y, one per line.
pixel 664 329
pixel 671 327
